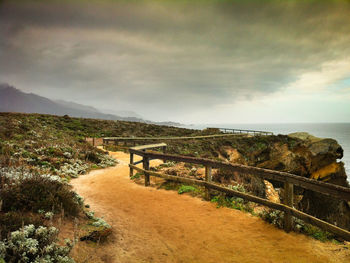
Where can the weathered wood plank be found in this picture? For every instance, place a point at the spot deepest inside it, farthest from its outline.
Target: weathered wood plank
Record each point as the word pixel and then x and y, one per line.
pixel 150 146
pixel 167 138
pixel 146 168
pixel 225 130
pixel 288 200
pixel 208 175
pixel 131 161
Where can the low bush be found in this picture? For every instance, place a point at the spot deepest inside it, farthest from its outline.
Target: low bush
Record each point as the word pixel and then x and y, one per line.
pixel 97 230
pixel 317 233
pixel 186 189
pixel 39 193
pixel 34 245
pixel 12 221
pixel 274 217
pixel 136 176
pixel 92 157
pixel 232 202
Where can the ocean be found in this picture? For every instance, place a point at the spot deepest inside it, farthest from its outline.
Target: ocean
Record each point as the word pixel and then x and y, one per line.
pixel 337 131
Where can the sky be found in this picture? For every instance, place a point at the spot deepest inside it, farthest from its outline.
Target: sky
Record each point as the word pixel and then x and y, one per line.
pixel 197 61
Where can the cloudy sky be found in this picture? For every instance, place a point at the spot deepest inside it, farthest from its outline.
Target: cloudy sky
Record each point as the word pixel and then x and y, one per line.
pixel 189 61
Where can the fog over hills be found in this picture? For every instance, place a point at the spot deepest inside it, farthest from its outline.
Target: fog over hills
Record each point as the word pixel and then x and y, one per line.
pixel 14 100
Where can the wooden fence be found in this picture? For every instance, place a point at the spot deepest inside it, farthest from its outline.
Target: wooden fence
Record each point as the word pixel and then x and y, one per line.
pixel 240 131
pixel 132 141
pixel 289 181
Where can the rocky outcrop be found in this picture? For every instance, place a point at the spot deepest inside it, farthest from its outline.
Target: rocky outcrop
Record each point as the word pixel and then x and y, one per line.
pixel 325 166
pixel 301 154
pixel 323 156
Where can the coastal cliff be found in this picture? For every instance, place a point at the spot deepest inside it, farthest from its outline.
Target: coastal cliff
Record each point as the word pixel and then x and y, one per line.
pixel 298 153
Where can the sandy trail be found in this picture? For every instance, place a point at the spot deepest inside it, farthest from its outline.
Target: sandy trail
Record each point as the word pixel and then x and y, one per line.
pixel 153 225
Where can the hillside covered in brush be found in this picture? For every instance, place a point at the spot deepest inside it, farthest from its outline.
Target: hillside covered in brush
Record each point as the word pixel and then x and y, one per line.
pixel 46 151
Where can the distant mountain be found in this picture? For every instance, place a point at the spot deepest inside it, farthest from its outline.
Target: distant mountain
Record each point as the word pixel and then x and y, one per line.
pixel 122 113
pixel 78 106
pixel 14 100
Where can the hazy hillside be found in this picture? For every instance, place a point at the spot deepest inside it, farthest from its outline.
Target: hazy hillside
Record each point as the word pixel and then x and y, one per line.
pixel 14 100
pixel 77 106
pixel 122 113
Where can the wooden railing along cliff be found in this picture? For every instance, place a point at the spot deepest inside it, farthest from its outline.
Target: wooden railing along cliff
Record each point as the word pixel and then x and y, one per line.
pixel 226 132
pixel 240 131
pixel 289 181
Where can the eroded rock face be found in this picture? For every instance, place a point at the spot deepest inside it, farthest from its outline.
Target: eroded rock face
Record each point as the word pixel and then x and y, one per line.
pixel 304 155
pixel 322 152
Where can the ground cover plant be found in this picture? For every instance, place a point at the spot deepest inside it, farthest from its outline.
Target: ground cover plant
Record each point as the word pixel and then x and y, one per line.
pixel 32 244
pixel 39 154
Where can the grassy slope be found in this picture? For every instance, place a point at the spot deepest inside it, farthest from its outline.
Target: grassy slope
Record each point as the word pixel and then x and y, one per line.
pixel 55 144
pixel 33 145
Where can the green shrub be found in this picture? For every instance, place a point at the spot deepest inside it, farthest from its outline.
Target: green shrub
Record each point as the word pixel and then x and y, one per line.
pixel 136 176
pixel 97 229
pixel 170 185
pixel 317 233
pixel 186 189
pixel 274 217
pixel 232 202
pixel 39 193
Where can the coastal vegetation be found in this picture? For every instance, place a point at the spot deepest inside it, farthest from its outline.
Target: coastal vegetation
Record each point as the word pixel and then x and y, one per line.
pixel 38 157
pixel 40 154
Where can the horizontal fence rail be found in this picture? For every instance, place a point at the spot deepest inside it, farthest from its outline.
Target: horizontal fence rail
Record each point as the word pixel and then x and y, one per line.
pixel 126 142
pixel 150 146
pixel 240 131
pixel 106 139
pixel 289 180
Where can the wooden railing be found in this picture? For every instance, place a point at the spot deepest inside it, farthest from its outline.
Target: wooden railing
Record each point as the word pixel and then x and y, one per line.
pixel 132 141
pixel 240 131
pixel 289 181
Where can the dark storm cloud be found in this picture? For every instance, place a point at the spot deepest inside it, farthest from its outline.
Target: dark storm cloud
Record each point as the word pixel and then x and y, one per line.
pixel 178 56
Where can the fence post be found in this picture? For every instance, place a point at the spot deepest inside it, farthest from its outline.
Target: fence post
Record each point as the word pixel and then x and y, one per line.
pixel 146 167
pixel 93 141
pixel 131 162
pixel 164 151
pixel 288 200
pixel 208 180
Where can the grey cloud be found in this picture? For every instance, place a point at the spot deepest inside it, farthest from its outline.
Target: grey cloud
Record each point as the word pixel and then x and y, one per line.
pixel 177 57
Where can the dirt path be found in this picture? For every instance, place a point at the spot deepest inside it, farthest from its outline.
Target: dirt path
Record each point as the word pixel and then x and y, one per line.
pixel 153 225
